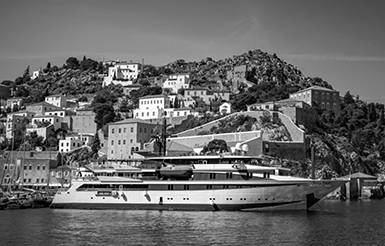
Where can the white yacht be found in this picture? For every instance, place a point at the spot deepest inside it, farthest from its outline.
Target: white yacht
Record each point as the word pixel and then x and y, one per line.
pixel 194 183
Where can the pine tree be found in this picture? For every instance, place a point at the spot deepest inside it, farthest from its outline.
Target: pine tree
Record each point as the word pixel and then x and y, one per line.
pixel 26 72
pixel 95 146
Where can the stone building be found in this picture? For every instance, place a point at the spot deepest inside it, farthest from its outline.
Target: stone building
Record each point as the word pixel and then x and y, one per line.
pixel 126 137
pixel 325 98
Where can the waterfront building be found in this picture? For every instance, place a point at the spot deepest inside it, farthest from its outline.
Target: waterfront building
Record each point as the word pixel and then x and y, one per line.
pixel 325 98
pixel 56 100
pixel 126 137
pixel 29 169
pixel 123 73
pixel 177 81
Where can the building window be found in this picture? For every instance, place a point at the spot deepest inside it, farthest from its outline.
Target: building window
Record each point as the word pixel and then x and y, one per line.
pixel 140 129
pixel 132 129
pixel 124 141
pixel 37 180
pixel 112 142
pixel 323 95
pixel 30 167
pixel 124 130
pixel 327 95
pixel 112 131
pixel 327 105
pixel 120 130
pixel 322 105
pixel 316 94
pixel 118 142
pixel 334 106
pixel 42 180
pixel 38 168
pixel 145 130
pixel 43 167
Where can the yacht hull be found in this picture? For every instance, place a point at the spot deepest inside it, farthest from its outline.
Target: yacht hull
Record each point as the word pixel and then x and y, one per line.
pixel 272 195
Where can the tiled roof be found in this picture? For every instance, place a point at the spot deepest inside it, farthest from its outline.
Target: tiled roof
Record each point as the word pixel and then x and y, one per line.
pixel 130 121
pixel 153 96
pixel 315 88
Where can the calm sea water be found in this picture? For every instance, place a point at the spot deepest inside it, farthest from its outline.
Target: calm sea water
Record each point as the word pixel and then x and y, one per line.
pixel 330 223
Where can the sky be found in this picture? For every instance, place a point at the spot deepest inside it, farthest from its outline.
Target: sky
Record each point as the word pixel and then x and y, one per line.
pixel 340 41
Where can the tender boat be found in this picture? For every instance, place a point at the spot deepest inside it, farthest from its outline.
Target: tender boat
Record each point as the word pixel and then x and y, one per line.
pixel 194 183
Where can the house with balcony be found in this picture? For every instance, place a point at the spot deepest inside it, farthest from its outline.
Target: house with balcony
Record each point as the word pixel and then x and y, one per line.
pixel 177 81
pixel 325 98
pixel 123 73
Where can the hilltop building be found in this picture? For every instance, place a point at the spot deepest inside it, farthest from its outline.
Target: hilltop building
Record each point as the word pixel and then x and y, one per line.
pixel 35 74
pixel 325 98
pixel 123 73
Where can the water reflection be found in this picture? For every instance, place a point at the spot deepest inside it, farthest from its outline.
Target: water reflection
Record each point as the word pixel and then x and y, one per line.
pixel 335 223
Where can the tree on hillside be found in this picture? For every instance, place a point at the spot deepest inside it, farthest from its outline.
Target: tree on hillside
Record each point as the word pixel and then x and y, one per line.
pixel 104 114
pixel 72 63
pixel 216 145
pixel 95 146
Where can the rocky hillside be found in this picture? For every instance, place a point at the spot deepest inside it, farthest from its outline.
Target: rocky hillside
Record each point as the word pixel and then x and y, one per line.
pixel 255 66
